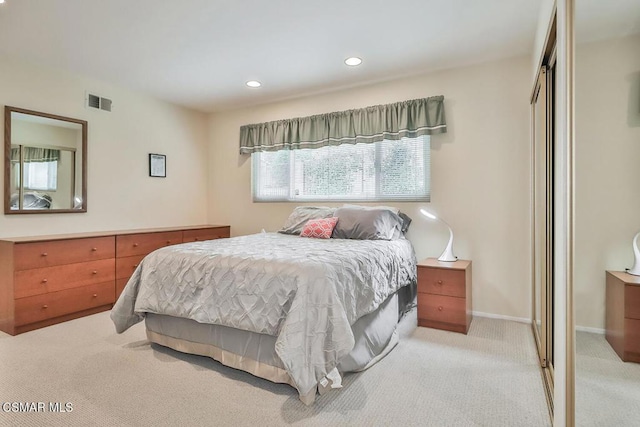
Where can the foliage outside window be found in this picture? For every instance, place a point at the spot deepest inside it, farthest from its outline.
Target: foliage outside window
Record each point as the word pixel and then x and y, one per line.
pixel 381 171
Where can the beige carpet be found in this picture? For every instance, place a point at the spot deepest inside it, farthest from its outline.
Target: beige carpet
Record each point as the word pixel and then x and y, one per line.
pixel 433 378
pixel 607 389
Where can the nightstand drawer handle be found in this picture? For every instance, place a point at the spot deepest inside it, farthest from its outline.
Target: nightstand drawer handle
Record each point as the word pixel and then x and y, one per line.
pixel 135 266
pixel 439 282
pixel 135 245
pixel 44 280
pixel 94 272
pixel 95 295
pixel 45 306
pixel 439 308
pixel 44 254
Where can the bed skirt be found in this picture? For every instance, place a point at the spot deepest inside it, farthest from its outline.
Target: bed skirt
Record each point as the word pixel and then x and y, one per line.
pixel 375 336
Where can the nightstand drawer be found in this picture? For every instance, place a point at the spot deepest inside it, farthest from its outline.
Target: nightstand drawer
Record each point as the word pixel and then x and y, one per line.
pixel 632 302
pixel 632 340
pixel 442 309
pixel 442 282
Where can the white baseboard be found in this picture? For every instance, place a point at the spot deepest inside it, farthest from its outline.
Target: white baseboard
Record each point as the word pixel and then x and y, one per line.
pixel 502 317
pixel 592 330
pixel 528 321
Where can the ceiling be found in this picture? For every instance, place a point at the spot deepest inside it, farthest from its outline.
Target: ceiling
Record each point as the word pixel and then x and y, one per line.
pixel 200 53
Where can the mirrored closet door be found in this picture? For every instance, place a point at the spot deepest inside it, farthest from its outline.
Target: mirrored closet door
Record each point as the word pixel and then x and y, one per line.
pixel 607 212
pixel 543 153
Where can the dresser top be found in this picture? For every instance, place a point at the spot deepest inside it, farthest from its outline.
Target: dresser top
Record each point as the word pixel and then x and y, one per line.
pixel 627 278
pixel 105 233
pixel 460 264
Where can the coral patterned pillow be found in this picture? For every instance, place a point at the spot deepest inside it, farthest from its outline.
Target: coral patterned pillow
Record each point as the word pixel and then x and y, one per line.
pixel 319 228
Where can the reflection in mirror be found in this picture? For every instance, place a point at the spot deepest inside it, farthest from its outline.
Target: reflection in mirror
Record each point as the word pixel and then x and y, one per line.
pixel 607 191
pixel 45 166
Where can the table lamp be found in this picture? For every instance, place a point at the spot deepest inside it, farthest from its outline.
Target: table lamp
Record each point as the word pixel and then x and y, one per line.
pixel 635 270
pixel 447 255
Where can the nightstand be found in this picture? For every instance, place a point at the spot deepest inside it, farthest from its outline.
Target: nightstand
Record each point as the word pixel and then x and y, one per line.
pixel 444 295
pixel 623 315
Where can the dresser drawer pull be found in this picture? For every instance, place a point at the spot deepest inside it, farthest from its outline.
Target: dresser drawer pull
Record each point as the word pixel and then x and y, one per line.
pixel 440 308
pixel 439 282
pixel 94 272
pixel 44 254
pixel 135 245
pixel 45 306
pixel 95 295
pixel 44 280
pixel 168 242
pixel 94 249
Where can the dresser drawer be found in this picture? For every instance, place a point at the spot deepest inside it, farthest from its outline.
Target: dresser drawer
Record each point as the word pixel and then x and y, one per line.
pixel 120 285
pixel 52 279
pixel 632 302
pixel 127 265
pixel 205 234
pixel 442 282
pixel 144 243
pixel 442 309
pixel 55 304
pixel 60 252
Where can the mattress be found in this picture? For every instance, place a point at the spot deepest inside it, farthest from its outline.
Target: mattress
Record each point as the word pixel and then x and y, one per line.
pixel 308 294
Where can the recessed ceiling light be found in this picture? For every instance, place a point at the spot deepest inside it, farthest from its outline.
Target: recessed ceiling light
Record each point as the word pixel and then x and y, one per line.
pixel 353 61
pixel 253 83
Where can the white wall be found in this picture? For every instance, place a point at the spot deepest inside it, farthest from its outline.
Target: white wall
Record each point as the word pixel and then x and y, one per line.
pixel 121 195
pixel 480 172
pixel 607 168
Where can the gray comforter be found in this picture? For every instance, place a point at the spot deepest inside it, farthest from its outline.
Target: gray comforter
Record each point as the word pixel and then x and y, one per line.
pixel 306 292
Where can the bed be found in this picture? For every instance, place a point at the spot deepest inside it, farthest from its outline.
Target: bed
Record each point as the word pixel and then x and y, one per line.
pixel 293 310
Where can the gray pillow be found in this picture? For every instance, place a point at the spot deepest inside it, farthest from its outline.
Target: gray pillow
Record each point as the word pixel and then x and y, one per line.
pixel 367 224
pixel 301 214
pixel 406 220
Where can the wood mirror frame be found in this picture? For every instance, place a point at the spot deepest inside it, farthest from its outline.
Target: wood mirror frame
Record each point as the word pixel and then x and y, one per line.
pixel 76 178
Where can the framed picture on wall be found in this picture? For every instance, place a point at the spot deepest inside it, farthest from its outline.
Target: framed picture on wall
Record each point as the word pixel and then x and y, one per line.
pixel 158 165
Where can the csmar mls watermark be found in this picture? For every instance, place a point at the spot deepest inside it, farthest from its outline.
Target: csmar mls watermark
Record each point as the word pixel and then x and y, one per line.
pixel 23 407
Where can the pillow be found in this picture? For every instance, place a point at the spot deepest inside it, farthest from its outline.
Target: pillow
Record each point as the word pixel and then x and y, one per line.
pixel 319 228
pixel 301 214
pixel 367 224
pixel 406 220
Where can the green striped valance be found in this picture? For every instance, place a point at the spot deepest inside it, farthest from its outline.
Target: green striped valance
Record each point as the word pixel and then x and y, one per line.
pixel 392 121
pixel 35 154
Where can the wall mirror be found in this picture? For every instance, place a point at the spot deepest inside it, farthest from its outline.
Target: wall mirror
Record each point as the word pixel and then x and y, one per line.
pixel 45 163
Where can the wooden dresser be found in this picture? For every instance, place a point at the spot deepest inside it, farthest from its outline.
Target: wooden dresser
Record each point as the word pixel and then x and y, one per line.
pixel 623 315
pixel 46 280
pixel 444 295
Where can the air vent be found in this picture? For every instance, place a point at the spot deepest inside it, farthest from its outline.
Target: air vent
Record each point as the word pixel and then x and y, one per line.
pixel 105 104
pixel 98 102
pixel 93 101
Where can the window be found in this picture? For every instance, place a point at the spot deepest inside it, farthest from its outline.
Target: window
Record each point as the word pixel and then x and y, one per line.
pixel 41 175
pixel 385 170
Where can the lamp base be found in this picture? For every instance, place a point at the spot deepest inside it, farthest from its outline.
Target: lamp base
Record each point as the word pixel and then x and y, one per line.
pixel 454 259
pixel 635 271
